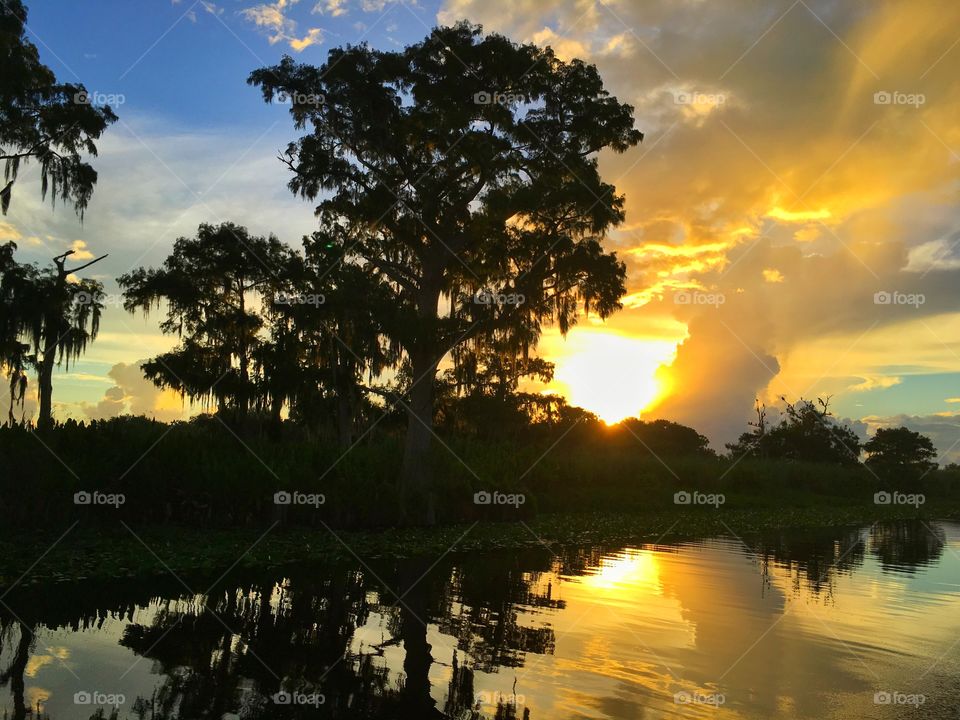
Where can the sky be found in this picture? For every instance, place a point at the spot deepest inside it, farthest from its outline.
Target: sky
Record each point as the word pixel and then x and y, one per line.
pixel 792 217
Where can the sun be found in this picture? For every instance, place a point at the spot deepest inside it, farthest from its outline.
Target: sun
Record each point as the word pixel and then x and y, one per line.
pixel 610 374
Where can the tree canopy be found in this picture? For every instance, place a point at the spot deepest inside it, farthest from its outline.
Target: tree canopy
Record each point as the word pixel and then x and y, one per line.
pixel 464 170
pixel 43 120
pixel 899 449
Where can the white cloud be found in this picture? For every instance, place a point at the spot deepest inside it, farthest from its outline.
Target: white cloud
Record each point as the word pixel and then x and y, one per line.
pixel 274 21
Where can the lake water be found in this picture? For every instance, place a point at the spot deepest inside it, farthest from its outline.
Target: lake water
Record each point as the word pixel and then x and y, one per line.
pixel 837 623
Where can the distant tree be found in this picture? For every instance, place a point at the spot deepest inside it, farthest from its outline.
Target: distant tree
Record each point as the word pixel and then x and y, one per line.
pixel 461 165
pixel 753 442
pixel 807 431
pixel 480 394
pixel 900 448
pixel 54 317
pixel 214 286
pixel 666 438
pixel 43 120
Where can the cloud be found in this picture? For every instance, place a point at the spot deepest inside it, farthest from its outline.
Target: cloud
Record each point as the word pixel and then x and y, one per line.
pixel 8 233
pixel 333 8
pixel 875 383
pixel 79 250
pixel 799 174
pixel 278 26
pixel 132 394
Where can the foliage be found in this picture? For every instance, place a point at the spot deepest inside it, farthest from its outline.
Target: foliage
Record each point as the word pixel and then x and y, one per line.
pixel 214 286
pixel 49 318
pixel 806 432
pixel 446 195
pixel 900 449
pixel 44 121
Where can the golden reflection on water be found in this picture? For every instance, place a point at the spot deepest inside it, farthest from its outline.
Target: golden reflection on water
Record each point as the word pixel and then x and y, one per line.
pixel 801 626
pixel 714 630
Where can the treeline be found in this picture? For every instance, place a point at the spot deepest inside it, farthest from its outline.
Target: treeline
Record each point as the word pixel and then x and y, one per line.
pixel 203 473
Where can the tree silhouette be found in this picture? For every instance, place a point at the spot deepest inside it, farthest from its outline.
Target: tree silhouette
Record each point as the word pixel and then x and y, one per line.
pixel 326 335
pixel 57 316
pixel 807 431
pixel 42 120
pixel 900 450
pixel 213 286
pixel 14 354
pixel 462 164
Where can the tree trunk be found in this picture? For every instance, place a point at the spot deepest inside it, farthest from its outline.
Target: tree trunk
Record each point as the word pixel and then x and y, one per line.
pixel 45 384
pixel 417 498
pixel 415 475
pixel 416 699
pixel 343 384
pixel 344 417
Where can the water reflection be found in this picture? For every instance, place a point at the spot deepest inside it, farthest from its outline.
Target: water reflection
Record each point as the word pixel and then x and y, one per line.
pixel 783 624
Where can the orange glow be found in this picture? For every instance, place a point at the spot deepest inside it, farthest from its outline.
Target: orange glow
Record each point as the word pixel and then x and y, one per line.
pixel 626 570
pixel 611 375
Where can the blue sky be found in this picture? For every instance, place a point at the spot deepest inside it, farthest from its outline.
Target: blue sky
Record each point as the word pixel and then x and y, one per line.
pixel 188 61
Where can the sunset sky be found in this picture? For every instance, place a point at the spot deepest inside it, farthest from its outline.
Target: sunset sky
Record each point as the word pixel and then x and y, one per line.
pixel 793 214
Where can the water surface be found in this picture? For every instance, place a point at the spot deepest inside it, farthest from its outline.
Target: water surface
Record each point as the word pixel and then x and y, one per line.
pixel 838 623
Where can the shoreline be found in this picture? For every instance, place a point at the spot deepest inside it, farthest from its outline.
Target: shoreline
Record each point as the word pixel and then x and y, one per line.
pixel 99 552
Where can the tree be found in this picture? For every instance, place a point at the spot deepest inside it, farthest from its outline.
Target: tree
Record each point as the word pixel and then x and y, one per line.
pixel 14 354
pixel 58 316
pixel 213 286
pixel 807 431
pixel 664 438
pixel 899 449
pixel 326 335
pixel 463 169
pixel 42 120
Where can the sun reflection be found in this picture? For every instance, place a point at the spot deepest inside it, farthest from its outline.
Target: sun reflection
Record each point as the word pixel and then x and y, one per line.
pixel 628 569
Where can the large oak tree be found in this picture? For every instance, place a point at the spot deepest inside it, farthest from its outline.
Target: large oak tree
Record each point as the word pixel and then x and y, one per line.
pixel 462 168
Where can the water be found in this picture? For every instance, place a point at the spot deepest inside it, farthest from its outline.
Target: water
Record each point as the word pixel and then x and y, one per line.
pixel 820 624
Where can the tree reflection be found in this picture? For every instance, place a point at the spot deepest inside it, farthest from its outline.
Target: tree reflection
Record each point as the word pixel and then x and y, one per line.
pixel 814 557
pixel 906 545
pixel 373 642
pixel 233 650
